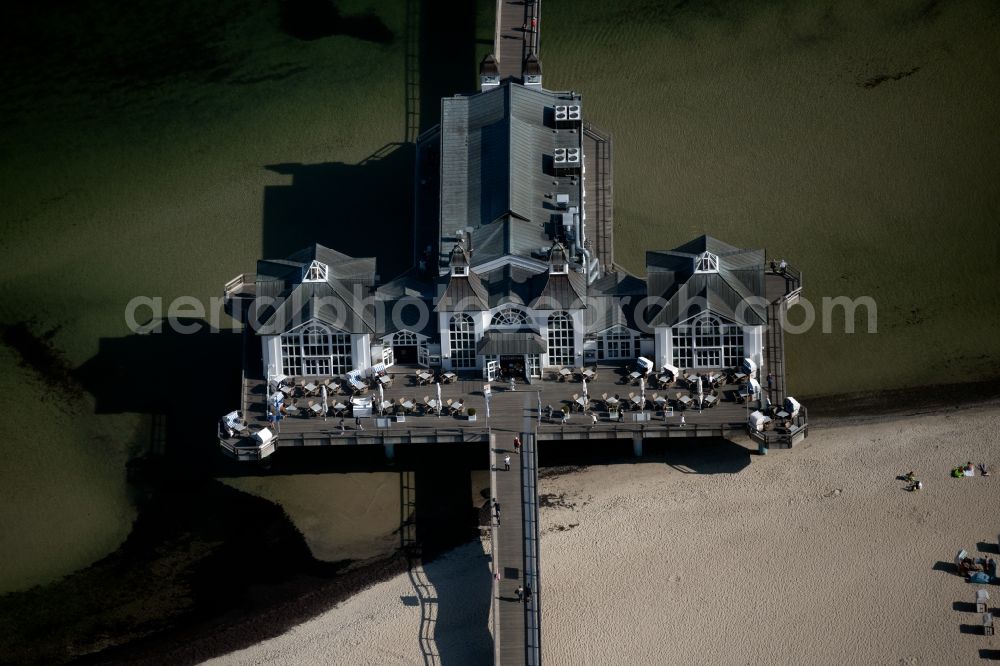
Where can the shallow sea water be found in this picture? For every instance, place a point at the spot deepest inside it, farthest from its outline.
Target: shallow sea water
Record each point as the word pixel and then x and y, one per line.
pixel 856 140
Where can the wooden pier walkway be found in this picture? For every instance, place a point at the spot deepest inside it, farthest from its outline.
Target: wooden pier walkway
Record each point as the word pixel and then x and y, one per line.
pixel 517 622
pixel 516 35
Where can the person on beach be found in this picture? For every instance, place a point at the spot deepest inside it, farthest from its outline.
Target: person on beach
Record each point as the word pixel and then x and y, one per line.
pixel 910 477
pixel 506 463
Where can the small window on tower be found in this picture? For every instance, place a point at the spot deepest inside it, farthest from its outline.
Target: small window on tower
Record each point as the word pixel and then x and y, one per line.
pixel 707 263
pixel 316 272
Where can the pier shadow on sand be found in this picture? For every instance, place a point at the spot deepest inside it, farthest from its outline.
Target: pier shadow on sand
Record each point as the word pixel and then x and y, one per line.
pixel 701 455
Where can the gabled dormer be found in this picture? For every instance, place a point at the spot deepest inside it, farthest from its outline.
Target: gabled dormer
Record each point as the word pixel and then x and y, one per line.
pixel 316 271
pixel 463 287
pixel 561 288
pixel 706 262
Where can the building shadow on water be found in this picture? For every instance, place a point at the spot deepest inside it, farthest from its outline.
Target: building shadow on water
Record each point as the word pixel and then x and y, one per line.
pixel 362 210
pixel 314 19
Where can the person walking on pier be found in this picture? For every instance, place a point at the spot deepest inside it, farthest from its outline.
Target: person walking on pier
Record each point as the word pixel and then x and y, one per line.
pixel 506 463
pixel 342 428
pixel 593 419
pixel 682 420
pixel 357 423
pixel 517 445
pixel 496 510
pixel 770 382
pixel 527 594
pixel 519 593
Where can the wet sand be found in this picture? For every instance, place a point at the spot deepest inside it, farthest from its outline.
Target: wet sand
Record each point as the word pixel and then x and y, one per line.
pixel 713 555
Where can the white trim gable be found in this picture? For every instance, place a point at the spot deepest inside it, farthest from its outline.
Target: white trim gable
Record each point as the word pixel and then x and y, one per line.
pixel 706 262
pixel 317 271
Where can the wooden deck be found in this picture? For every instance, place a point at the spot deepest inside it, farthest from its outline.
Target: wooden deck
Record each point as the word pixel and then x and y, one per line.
pixel 516 623
pixel 599 193
pixel 514 36
pixel 725 418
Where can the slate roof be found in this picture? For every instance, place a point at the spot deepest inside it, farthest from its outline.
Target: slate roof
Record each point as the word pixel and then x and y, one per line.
pixel 511 342
pixel 736 291
pixel 495 148
pixel 285 302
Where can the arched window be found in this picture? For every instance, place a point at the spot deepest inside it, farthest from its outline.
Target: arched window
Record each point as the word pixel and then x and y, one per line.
pixel 707 342
pixel 510 316
pixel 616 343
pixel 315 351
pixel 462 337
pixel 561 348
pixel 404 338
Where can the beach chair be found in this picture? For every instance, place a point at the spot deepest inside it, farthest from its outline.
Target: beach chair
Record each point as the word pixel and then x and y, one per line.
pixel 988 627
pixel 982 596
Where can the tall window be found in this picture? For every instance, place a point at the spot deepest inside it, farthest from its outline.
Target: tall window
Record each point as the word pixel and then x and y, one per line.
pixel 510 316
pixel 561 348
pixel 707 342
pixel 315 350
pixel 615 343
pixel 462 337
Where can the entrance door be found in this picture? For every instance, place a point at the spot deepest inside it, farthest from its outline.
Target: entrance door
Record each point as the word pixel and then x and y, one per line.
pixel 491 371
pixel 513 366
pixel 405 354
pixel 423 358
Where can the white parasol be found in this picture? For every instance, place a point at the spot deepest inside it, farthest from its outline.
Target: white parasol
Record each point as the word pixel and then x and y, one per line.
pixel 438 384
pixel 322 396
pixel 381 397
pixel 642 392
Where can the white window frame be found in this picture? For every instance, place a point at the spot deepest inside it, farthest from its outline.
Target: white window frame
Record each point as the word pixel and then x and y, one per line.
pixel 706 263
pixel 316 350
pixel 561 339
pixel 510 316
pixel 707 336
pixel 317 271
pixel 462 340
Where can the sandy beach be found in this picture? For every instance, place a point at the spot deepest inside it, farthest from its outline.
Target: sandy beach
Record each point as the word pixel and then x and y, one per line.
pixel 815 555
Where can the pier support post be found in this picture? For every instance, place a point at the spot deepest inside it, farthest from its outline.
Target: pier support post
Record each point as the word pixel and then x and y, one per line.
pixel 390 450
pixel 637 445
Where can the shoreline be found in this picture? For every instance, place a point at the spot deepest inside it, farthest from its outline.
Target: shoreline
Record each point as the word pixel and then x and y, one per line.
pixel 288 603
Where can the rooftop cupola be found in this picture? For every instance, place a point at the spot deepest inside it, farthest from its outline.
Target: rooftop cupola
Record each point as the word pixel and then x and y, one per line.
pixel 558 261
pixel 459 261
pixel 532 74
pixel 489 73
